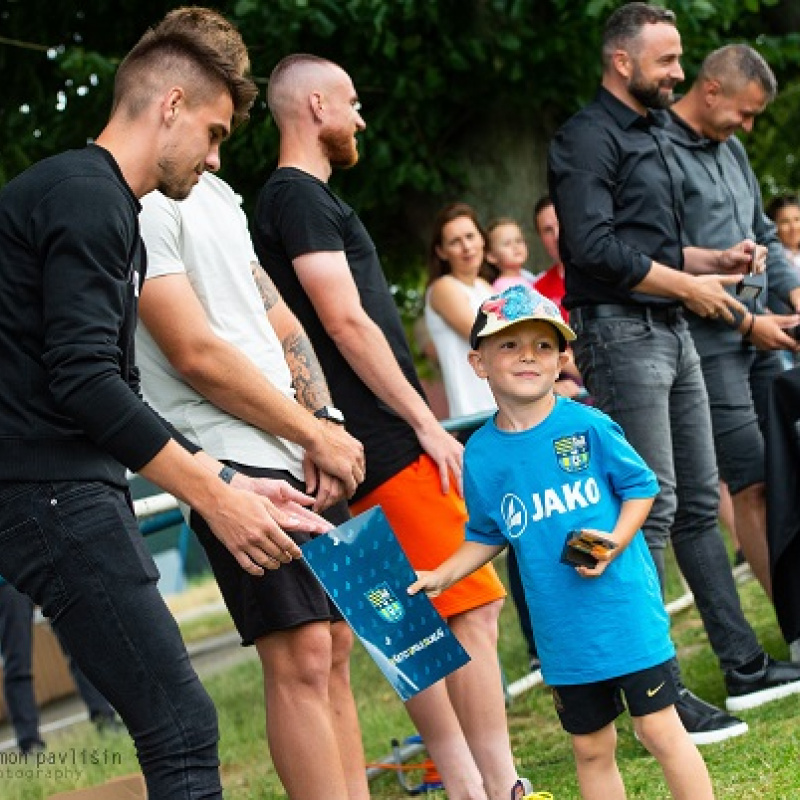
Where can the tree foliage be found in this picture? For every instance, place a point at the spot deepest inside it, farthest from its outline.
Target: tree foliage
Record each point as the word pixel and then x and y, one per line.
pixel 426 72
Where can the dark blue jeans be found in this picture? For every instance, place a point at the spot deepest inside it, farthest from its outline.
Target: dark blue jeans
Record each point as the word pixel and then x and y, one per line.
pixel 75 549
pixel 646 375
pixel 16 648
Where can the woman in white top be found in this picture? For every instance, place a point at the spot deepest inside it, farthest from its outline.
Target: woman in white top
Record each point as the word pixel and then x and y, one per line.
pixel 457 286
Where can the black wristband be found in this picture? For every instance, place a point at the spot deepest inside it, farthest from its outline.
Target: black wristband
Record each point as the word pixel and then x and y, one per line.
pixel 738 319
pixel 227 473
pixel 750 327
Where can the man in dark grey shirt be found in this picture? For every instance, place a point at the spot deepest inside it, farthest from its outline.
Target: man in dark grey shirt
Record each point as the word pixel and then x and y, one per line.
pixel 628 279
pixel 722 202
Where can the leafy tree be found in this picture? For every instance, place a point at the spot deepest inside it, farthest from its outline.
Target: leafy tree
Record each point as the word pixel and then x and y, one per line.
pixel 439 82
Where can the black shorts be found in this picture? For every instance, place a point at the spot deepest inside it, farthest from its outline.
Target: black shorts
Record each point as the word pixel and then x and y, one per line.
pixel 280 599
pixel 589 707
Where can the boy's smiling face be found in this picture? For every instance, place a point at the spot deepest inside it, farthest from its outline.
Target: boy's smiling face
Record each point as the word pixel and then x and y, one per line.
pixel 521 363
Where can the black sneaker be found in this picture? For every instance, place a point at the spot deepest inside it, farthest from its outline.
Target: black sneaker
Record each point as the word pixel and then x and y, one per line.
pixel 107 722
pixel 706 724
pixel 775 680
pixel 31 746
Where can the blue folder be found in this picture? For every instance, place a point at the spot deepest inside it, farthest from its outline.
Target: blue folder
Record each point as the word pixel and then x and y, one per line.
pixel 366 573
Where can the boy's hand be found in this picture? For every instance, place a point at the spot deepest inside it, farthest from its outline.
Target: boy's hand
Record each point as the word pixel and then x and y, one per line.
pixel 593 572
pixel 428 582
pixel 604 555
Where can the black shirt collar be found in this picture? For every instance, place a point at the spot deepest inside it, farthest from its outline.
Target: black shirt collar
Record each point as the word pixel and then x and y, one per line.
pixel 627 117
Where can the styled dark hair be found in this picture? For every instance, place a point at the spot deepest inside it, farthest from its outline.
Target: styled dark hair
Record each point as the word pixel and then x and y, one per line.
pixel 545 201
pixel 779 203
pixel 438 266
pixel 625 24
pixel 736 66
pixel 178 53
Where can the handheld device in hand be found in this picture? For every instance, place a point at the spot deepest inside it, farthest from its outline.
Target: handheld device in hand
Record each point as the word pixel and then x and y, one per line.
pixel 585 548
pixel 749 287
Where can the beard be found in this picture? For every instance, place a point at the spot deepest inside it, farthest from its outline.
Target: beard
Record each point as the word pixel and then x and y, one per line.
pixel 339 149
pixel 174 182
pixel 650 95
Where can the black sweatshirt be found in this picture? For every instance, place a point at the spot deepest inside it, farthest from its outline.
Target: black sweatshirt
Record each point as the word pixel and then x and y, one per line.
pixel 71 266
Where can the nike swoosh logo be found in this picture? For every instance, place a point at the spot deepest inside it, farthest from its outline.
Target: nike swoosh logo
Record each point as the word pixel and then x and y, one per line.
pixel 653 692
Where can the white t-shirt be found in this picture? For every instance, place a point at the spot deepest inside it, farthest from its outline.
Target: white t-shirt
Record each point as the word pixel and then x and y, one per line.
pixel 466 392
pixel 207 238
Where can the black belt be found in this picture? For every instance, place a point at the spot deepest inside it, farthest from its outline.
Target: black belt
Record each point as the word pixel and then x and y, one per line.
pixel 668 315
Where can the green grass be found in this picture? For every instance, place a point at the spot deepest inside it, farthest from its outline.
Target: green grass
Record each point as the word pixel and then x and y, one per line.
pixel 212 624
pixel 763 764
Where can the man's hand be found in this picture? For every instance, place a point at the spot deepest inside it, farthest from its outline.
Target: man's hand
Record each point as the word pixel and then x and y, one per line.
pixel 334 451
pixel 327 489
pixel 446 451
pixel 287 501
pixel 769 332
pixel 747 256
pixel 249 525
pixel 246 516
pixel 708 297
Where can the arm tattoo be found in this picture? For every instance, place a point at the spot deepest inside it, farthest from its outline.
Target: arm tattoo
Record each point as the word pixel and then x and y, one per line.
pixel 307 377
pixel 266 288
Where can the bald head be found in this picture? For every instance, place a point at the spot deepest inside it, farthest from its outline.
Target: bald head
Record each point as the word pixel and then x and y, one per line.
pixel 294 79
pixel 317 111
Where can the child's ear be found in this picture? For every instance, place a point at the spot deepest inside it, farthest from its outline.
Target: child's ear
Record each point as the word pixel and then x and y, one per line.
pixel 477 363
pixel 563 359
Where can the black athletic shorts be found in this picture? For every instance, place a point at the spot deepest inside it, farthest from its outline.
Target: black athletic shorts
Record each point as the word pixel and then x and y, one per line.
pixel 279 599
pixel 589 707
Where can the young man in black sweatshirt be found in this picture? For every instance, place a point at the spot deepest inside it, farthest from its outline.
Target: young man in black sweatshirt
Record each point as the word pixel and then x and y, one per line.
pixel 72 420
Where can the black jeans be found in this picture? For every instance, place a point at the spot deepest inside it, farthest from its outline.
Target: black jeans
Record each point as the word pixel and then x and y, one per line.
pixel 75 549
pixel 16 649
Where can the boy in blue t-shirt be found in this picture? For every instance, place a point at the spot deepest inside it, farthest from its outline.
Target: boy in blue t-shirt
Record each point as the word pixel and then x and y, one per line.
pixel 543 468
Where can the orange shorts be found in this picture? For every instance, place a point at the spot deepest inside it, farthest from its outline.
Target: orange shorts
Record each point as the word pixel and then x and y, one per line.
pixel 430 527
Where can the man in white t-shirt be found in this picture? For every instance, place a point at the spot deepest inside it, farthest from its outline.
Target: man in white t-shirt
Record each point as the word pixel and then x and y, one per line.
pixel 247 386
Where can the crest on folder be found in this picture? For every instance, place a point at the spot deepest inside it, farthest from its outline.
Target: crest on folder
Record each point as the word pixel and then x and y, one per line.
pixel 385 603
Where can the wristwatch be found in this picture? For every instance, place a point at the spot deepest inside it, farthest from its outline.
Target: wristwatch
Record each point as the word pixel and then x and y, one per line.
pixel 331 413
pixel 227 473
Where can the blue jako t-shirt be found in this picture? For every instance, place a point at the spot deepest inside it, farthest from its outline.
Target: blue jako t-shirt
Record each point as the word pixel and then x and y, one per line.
pixel 530 489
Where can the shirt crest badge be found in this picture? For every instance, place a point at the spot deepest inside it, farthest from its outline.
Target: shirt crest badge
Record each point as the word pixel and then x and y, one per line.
pixel 572 452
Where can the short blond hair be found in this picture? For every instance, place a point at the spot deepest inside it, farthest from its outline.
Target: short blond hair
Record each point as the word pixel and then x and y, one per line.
pixel 183 48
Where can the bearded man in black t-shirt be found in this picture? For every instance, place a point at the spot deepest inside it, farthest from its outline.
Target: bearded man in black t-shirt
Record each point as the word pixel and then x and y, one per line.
pixel 326 267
